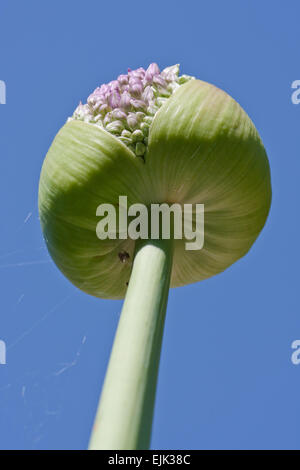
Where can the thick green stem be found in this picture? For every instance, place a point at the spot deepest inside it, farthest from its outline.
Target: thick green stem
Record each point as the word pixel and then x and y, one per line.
pixel 124 416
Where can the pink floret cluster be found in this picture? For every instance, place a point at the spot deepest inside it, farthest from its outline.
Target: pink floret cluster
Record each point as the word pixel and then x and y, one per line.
pixel 125 107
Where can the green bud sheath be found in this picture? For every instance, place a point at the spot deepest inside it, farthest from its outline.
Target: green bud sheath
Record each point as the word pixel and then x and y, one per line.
pixel 190 143
pixel 202 148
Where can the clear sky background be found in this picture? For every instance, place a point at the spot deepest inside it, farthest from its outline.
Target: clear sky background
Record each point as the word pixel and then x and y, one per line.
pixel 226 378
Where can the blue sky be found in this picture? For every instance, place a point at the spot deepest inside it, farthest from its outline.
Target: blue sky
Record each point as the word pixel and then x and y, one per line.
pixel 226 378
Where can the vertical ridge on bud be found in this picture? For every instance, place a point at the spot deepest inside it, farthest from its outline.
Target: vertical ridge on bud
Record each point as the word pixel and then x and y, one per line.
pixel 126 107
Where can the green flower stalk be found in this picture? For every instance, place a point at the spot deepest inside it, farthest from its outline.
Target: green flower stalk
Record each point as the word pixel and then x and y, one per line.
pixel 155 137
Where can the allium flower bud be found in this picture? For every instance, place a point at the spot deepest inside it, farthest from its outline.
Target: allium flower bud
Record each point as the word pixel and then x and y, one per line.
pixel 155 137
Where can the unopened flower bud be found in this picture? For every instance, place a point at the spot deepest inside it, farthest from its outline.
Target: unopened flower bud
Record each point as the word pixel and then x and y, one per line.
pixel 153 136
